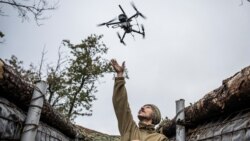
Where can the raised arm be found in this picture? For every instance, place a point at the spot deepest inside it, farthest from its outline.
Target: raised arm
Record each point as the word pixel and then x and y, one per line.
pixel 118 69
pixel 126 123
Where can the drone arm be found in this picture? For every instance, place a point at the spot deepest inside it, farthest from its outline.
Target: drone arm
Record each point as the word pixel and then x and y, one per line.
pixel 136 14
pixel 122 10
pixel 113 23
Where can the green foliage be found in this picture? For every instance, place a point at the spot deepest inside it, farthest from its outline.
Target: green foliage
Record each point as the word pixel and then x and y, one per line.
pixel 72 82
pixel 85 67
pixel 56 81
pixel 29 75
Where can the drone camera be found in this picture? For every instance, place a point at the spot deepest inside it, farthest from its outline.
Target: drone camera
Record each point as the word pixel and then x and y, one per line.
pixel 122 18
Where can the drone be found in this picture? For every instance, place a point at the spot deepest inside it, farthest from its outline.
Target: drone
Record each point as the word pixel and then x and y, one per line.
pixel 124 23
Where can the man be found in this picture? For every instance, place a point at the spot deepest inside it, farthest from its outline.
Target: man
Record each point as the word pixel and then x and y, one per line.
pixel 149 115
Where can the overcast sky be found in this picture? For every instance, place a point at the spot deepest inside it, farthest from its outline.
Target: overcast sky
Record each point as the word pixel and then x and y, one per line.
pixel 190 47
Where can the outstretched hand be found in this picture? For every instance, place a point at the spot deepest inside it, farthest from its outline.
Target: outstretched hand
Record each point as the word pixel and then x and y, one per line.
pixel 118 69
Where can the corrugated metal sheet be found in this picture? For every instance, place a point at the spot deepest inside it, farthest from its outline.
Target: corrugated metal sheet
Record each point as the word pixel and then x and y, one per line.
pixel 235 127
pixel 12 122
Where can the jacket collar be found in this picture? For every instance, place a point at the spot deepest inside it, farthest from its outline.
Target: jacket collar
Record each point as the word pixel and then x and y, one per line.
pixel 150 127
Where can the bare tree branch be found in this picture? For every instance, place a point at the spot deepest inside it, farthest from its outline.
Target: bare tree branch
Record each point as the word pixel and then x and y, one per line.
pixel 41 63
pixel 242 2
pixel 33 7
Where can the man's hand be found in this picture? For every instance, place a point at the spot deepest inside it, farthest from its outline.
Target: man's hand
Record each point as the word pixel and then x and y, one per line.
pixel 118 69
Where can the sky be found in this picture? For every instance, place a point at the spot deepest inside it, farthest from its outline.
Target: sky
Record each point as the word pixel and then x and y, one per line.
pixel 190 48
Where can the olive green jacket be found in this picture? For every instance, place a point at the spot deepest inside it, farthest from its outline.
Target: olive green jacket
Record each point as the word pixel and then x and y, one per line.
pixel 128 129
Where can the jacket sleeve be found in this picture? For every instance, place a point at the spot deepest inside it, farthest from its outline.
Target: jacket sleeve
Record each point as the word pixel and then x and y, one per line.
pixel 121 106
pixel 165 139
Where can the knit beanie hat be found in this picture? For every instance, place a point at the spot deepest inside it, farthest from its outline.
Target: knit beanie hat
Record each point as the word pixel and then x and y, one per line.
pixel 156 114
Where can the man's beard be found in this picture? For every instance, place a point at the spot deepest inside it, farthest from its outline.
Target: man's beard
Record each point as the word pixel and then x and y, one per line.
pixel 142 117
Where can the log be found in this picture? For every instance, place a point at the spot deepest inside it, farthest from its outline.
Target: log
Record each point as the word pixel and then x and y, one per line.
pixel 92 135
pixel 232 96
pixel 18 91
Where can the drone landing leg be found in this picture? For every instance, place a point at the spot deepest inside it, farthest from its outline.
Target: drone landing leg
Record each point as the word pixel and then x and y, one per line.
pixel 137 32
pixel 142 33
pixel 123 38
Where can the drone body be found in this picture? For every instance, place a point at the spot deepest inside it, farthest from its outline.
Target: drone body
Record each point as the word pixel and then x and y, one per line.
pixel 124 23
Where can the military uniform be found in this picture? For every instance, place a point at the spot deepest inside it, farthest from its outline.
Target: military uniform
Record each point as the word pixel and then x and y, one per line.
pixel 128 129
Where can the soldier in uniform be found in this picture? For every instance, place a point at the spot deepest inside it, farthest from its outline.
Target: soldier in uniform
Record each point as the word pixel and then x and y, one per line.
pixel 149 115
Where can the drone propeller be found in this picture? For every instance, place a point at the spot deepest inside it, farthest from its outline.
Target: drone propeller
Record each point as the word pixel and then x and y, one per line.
pixel 119 36
pixel 106 23
pixel 102 24
pixel 139 13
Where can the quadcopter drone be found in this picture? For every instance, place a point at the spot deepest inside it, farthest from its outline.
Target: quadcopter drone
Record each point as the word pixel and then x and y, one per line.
pixel 124 23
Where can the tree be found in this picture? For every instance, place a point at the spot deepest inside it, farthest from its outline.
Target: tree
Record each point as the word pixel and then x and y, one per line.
pixel 72 82
pixel 29 75
pixel 85 68
pixel 27 8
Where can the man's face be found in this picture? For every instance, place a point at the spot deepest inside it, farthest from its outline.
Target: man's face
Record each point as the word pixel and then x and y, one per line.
pixel 145 112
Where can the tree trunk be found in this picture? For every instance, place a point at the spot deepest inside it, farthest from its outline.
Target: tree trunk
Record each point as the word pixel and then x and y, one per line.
pixel 72 103
pixel 50 95
pixel 18 91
